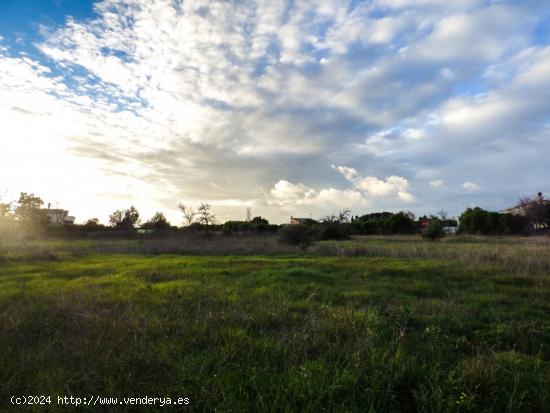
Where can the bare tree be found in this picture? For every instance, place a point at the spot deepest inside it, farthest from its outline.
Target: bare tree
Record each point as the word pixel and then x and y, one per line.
pixel 443 215
pixel 342 217
pixel 536 210
pixel 188 214
pixel 205 216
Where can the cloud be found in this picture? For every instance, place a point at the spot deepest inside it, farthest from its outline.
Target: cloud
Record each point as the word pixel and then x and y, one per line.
pixel 303 199
pixel 246 103
pixel 349 173
pixel 287 191
pixel 379 188
pixel 375 187
pixel 470 186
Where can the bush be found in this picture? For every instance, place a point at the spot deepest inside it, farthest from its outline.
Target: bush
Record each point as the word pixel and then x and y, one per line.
pixel 399 223
pixel 384 223
pixel 332 231
pixel 479 221
pixel 370 224
pixel 257 225
pixel 434 230
pixel 296 234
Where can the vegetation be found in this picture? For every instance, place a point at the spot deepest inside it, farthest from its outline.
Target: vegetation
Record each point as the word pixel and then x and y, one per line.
pixel 537 211
pixel 205 216
pixel 434 230
pixel 124 219
pixel 319 317
pixel 157 222
pixel 379 223
pixel 332 231
pixel 369 324
pixel 188 214
pixel 26 218
pixel 256 225
pixel 299 235
pixel 479 221
pixel 334 227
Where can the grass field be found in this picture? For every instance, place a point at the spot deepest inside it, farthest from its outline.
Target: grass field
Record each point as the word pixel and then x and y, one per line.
pixel 371 324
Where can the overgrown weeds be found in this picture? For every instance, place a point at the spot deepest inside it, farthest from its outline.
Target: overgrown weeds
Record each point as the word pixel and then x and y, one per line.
pixel 386 324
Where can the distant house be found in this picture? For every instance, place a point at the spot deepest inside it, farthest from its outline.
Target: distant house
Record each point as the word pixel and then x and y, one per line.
pixel 450 230
pixel 450 226
pixel 536 211
pixel 520 209
pixel 58 216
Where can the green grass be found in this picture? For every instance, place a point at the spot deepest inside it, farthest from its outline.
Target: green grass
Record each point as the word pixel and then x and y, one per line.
pixel 276 333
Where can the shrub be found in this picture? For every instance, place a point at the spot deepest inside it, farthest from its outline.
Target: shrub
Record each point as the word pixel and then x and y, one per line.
pixel 399 223
pixel 332 231
pixel 384 223
pixel 370 223
pixel 434 230
pixel 479 221
pixel 297 234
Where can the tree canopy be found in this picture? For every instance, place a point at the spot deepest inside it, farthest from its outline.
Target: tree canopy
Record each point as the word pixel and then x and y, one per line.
pixel 124 219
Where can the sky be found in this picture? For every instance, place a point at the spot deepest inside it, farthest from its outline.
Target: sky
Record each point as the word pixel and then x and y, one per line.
pixel 290 107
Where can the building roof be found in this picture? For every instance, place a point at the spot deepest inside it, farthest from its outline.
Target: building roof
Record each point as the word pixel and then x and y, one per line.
pixel 519 209
pixel 299 220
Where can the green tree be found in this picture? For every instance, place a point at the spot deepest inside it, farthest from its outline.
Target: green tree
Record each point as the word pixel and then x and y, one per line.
pixel 124 219
pixel 28 210
pixel 434 230
pixel 116 218
pixel 158 221
pixel 92 222
pixel 479 221
pixel 259 221
pixel 400 223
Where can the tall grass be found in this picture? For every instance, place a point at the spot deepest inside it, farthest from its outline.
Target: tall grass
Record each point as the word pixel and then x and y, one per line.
pixel 301 333
pixel 526 256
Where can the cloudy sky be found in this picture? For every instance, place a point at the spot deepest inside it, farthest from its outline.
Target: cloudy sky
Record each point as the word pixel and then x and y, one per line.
pixel 290 107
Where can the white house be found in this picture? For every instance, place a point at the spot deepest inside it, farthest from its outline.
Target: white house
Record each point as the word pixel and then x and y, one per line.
pixel 58 216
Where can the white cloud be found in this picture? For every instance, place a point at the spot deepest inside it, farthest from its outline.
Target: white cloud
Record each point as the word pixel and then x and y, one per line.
pixel 475 34
pixel 349 173
pixel 155 101
pixel 378 188
pixel 302 199
pixel 471 186
pixel 436 184
pixel 286 191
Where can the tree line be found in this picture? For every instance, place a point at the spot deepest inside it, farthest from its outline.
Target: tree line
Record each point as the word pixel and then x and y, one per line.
pixel 28 215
